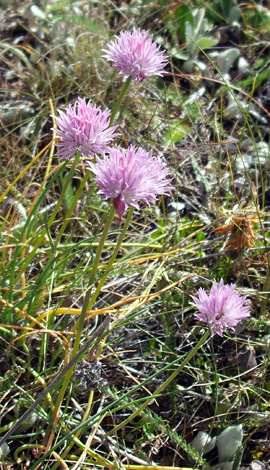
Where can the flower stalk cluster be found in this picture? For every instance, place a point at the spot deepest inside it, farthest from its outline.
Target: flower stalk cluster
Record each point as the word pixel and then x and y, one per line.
pixel 127 177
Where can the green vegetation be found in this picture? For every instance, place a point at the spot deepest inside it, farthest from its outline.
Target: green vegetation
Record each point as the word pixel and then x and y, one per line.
pixel 145 379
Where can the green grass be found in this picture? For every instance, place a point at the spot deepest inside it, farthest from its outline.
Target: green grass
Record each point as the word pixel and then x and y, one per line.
pixel 131 400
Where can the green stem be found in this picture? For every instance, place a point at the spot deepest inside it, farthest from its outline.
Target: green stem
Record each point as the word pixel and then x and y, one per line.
pixel 120 98
pixel 70 211
pixel 58 238
pixel 68 179
pixel 89 304
pixel 162 386
pixel 85 307
pixel 80 323
pixel 110 264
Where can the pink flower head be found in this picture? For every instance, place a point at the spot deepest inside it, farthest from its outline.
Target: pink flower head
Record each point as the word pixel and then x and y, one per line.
pixel 83 127
pixel 136 55
pixel 222 308
pixel 129 176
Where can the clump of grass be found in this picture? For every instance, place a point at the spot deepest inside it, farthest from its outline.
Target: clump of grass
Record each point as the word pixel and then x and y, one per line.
pixel 145 384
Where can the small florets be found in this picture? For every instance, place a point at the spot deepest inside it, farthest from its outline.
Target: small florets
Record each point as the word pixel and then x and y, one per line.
pixel 136 55
pixel 83 127
pixel 222 308
pixel 129 176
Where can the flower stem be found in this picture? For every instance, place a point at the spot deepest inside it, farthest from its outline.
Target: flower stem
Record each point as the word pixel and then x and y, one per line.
pixel 162 386
pixel 70 211
pixel 110 264
pixel 90 303
pixel 120 98
pixel 85 307
pixel 67 181
pixel 80 323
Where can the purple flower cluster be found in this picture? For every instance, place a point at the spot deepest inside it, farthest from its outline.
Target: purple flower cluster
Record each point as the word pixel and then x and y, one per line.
pixel 136 55
pixel 83 127
pixel 222 308
pixel 126 176
pixel 129 176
